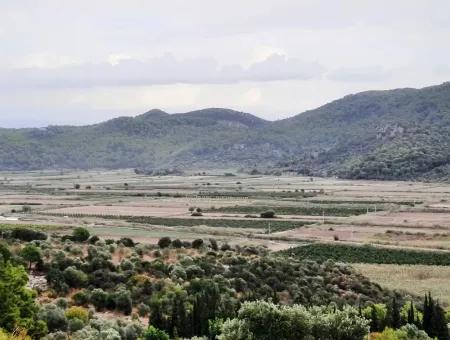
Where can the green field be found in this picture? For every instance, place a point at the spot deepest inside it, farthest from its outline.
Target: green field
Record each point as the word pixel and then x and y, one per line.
pixel 367 254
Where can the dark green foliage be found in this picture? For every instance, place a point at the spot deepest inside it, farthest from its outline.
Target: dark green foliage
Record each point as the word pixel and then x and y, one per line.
pixel 99 298
pixel 127 242
pixel 153 333
pixel 434 322
pixel 268 214
pixel 315 210
pixel 164 242
pixel 28 234
pixel 31 254
pixel 54 318
pixel 81 298
pixel 197 243
pixel 5 254
pixel 177 243
pixel 228 223
pixel 17 306
pixel 93 239
pixel 56 280
pixel 75 278
pixel 393 316
pixel 80 234
pixel 367 254
pixel 123 301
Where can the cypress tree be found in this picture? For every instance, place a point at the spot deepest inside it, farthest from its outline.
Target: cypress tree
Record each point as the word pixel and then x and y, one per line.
pixel 156 317
pixel 427 314
pixel 439 327
pixel 374 322
pixel 394 314
pixel 411 316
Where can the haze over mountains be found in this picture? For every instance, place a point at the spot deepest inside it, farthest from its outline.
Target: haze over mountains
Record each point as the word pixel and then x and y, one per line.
pixel 394 134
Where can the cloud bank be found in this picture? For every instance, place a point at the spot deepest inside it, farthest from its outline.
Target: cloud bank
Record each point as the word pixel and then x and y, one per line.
pixel 160 71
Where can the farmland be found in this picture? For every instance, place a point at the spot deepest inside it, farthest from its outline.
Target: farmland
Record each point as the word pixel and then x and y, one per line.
pixel 400 218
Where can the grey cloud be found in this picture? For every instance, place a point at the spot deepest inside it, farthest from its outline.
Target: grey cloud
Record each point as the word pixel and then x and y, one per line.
pixel 162 70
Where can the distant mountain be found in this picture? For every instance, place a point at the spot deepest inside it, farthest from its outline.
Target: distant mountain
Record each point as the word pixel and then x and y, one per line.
pixel 394 134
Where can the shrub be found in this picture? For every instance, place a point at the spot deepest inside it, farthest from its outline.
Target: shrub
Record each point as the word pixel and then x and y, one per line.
pixel 55 279
pixel 123 301
pixel 99 298
pixel 225 247
pixel 80 234
pixel 62 303
pixel 213 244
pixel 54 317
pixel 268 214
pixel 74 277
pixel 93 239
pixel 75 324
pixel 5 254
pixel 143 310
pixel 153 333
pixel 177 243
pixel 164 242
pixel 81 298
pixel 25 234
pixel 197 243
pixel 76 312
pixel 127 242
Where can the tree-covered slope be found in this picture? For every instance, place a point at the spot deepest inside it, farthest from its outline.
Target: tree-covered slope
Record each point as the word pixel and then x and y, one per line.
pixel 394 134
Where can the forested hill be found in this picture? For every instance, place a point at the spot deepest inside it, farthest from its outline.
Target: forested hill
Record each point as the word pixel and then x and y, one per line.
pixel 394 134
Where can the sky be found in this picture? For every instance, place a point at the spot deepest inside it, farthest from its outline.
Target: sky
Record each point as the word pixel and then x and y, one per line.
pixel 86 61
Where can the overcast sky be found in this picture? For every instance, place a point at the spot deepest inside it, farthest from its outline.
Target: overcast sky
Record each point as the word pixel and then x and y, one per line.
pixel 84 61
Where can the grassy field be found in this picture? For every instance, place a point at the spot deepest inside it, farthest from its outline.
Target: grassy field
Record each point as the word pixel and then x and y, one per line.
pixel 417 279
pixel 317 210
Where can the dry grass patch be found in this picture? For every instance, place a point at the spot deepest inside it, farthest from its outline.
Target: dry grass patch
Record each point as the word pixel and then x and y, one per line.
pixel 417 279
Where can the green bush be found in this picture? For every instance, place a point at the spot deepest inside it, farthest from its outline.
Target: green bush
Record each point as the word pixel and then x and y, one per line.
pixel 75 324
pixel 81 298
pixel 75 278
pixel 99 298
pixel 25 234
pixel 153 333
pixel 164 242
pixel 268 214
pixel 54 317
pixel 76 312
pixel 266 321
pixel 17 306
pixel 80 234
